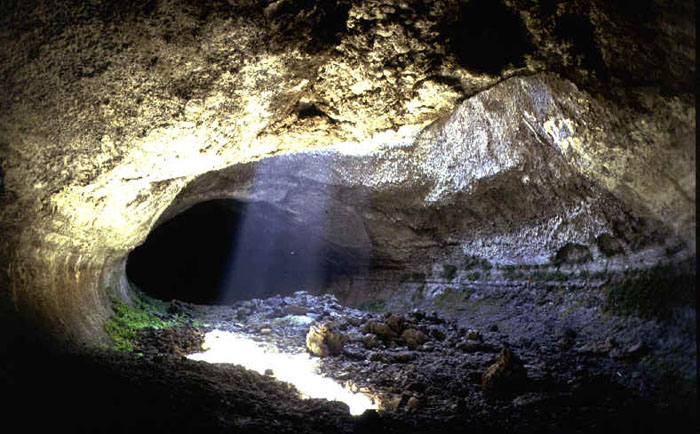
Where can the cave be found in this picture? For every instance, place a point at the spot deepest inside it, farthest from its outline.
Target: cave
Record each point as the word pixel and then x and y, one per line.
pixel 222 251
pixel 348 216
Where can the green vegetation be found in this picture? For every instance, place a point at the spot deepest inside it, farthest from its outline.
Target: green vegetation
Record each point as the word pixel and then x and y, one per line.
pixel 653 292
pixel 473 276
pixel 473 261
pixel 418 295
pixel 448 272
pixel 450 299
pixel 127 320
pixel 376 305
pixel 512 272
pixel 549 276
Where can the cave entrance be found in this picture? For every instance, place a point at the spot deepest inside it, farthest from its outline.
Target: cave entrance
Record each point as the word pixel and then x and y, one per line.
pixel 225 250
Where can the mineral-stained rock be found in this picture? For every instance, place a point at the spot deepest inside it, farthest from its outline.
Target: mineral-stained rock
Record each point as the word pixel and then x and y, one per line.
pixel 413 403
pixel 323 341
pixel 508 374
pixel 396 322
pixel 379 329
pixel 413 338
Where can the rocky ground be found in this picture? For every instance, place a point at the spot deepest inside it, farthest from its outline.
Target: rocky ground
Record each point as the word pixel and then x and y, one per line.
pixel 432 374
pixel 426 372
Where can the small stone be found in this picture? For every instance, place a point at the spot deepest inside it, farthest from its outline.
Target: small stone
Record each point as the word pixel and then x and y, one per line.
pixel 265 331
pixel 437 333
pixel 390 402
pixel 427 347
pixel 506 375
pixel 269 372
pixel 527 399
pixel 474 335
pixel 376 357
pixel 413 403
pixel 473 346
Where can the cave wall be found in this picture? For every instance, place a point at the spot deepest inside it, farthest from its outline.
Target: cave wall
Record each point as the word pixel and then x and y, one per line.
pixel 115 116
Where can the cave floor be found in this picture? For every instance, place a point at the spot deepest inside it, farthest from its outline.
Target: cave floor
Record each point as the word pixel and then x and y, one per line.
pixel 432 383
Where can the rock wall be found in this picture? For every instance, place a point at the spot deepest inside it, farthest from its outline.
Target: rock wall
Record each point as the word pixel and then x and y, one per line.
pixel 396 117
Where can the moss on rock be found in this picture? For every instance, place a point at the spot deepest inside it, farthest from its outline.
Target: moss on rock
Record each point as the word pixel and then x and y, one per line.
pixel 653 292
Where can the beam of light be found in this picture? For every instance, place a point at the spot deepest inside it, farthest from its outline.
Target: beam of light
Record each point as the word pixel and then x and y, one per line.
pixel 292 227
pixel 299 369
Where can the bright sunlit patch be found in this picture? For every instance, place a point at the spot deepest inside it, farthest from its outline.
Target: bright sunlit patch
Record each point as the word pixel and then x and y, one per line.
pixel 299 369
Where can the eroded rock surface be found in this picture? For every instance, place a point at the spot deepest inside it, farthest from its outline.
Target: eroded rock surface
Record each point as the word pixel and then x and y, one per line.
pixel 409 129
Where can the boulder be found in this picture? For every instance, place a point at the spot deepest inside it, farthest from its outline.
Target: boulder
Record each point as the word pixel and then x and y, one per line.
pixel 413 338
pixel 379 329
pixel 323 341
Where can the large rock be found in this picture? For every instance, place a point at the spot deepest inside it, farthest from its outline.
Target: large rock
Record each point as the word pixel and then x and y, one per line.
pixel 323 341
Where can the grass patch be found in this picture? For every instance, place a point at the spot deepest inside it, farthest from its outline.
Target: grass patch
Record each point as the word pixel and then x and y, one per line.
pixel 127 320
pixel 376 305
pixel 450 299
pixel 549 276
pixel 652 293
pixel 448 272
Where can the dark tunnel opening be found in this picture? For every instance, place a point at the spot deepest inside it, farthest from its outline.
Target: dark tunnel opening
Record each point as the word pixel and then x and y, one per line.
pixel 225 250
pixel 487 36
